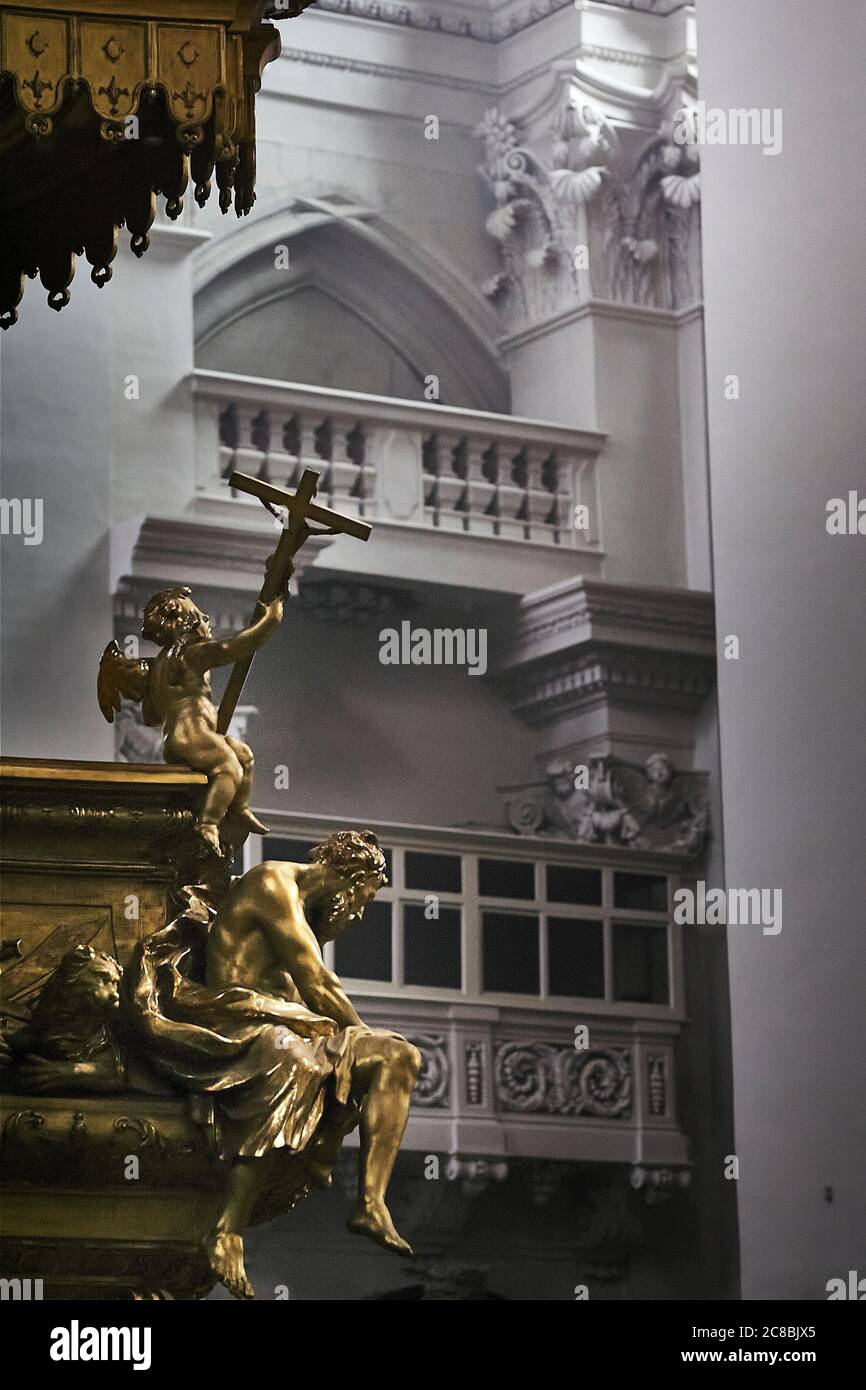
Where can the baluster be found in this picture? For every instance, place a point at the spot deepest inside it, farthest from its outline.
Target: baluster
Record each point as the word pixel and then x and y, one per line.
pixel 452 493
pixel 346 478
pixel 479 460
pixel 291 444
pixel 557 477
pixel 429 479
pixel 366 486
pixel 323 453
pixel 281 459
pixel 539 498
pixel 250 433
pixel 228 438
pixel 511 493
pixel 260 438
pixel 307 429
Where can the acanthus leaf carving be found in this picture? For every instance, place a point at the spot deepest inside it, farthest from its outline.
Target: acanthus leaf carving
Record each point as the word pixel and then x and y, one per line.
pixel 596 219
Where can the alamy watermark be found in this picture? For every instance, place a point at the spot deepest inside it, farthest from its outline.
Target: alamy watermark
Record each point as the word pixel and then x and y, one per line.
pixel 713 125
pixel 438 646
pixel 744 907
pixel 77 1343
pixel 22 516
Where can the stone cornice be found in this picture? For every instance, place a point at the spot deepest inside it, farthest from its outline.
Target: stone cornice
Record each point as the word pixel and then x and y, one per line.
pixel 585 641
pixel 342 63
pixel 456 20
pixel 602 309
pixel 493 24
pixel 215 550
pixel 601 675
pixel 553 618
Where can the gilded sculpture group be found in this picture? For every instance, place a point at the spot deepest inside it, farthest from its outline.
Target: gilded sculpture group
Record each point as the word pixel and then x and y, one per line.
pixel 232 1001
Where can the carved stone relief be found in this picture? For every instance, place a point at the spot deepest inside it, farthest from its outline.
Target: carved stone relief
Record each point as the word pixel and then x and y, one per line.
pixel 555 1079
pixel 594 219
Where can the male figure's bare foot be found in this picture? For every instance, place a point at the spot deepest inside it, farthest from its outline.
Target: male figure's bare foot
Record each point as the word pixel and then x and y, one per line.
pixel 373 1219
pixel 211 836
pixel 225 1253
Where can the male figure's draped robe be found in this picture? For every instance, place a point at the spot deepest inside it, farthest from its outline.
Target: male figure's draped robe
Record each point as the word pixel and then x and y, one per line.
pixel 272 1069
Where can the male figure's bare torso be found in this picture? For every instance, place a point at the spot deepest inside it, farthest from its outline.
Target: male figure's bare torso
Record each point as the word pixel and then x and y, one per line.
pixel 240 947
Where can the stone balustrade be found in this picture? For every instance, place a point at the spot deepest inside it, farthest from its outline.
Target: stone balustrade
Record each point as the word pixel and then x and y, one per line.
pixel 404 462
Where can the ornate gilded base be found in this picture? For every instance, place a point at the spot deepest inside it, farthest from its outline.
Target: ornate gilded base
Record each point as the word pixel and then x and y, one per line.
pixel 103 1196
pixel 107 1198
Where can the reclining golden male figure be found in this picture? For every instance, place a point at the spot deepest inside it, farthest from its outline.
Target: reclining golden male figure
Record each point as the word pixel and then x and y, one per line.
pixel 275 1040
pixel 175 692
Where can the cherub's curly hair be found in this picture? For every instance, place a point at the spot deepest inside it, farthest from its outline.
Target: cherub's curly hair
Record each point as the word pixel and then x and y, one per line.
pixel 164 619
pixel 351 853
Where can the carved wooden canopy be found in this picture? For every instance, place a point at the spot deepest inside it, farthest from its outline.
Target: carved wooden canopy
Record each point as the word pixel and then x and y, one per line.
pixel 104 105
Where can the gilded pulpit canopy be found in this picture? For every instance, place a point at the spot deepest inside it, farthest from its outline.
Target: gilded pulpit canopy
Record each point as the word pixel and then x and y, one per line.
pixel 103 107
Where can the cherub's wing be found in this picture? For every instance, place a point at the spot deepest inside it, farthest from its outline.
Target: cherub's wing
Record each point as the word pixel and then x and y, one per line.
pixel 119 677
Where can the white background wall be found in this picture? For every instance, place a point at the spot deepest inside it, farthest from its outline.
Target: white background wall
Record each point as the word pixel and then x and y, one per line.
pixel 784 294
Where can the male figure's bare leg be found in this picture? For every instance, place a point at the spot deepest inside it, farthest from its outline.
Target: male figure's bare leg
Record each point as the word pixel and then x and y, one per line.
pixel 225 1246
pixel 240 806
pixel 322 1154
pixel 387 1075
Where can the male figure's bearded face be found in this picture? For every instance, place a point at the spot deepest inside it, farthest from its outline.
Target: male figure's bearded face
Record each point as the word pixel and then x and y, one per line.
pixel 348 904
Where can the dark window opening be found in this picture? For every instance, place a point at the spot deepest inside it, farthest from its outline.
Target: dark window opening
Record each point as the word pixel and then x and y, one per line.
pixel 506 878
pixel 640 964
pixel 362 951
pixel 431 947
pixel 576 957
pixel 510 952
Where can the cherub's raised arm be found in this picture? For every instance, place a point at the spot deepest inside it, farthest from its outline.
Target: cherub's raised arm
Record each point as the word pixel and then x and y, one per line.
pixel 204 656
pixel 294 943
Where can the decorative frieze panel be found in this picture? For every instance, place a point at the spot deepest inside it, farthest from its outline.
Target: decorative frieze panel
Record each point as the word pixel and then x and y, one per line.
pixel 653 807
pixel 532 1078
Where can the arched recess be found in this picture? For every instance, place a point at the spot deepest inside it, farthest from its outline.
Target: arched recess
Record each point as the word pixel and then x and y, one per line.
pixel 353 309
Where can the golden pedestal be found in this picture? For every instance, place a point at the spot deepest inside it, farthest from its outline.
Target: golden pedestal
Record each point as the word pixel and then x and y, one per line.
pixel 103 1196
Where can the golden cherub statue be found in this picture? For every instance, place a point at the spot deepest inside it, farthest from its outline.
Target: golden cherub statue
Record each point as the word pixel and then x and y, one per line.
pixel 173 688
pixel 175 692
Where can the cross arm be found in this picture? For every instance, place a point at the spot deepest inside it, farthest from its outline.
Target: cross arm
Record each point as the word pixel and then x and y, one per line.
pixel 310 511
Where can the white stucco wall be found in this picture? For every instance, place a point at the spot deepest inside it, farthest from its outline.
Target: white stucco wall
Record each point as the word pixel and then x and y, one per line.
pixel 783 266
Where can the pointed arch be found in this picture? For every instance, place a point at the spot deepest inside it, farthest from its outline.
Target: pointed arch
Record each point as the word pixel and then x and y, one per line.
pixel 357 306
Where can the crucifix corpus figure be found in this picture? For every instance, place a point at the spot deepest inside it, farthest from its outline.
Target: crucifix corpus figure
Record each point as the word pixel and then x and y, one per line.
pixel 173 687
